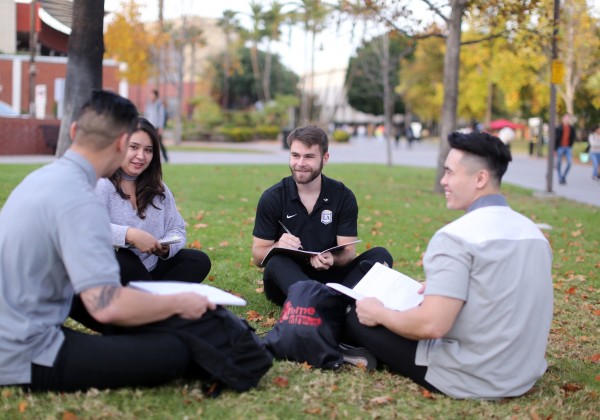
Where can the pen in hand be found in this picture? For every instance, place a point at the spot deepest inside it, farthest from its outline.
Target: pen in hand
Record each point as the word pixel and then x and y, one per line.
pixel 287 231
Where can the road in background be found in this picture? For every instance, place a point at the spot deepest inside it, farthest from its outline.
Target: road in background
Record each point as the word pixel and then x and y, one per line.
pixel 524 171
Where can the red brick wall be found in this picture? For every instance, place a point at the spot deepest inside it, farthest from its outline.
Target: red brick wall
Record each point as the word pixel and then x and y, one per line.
pixel 46 73
pixel 23 136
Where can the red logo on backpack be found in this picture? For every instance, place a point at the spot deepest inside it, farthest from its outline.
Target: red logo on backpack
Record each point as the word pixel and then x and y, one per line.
pixel 300 315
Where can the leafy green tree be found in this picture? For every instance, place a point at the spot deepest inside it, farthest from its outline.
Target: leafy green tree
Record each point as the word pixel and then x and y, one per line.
pixel 421 78
pixel 579 46
pixel 242 89
pixel 366 92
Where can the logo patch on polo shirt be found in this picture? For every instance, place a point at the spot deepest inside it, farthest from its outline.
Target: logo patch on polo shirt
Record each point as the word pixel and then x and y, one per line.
pixel 326 217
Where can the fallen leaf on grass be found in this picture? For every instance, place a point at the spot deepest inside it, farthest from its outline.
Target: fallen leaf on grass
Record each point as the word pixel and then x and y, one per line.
pixel 6 393
pixel 69 415
pixel 252 315
pixel 314 410
pixel 281 381
pixel 270 322
pixel 570 388
pixel 571 290
pixel 427 394
pixel 595 358
pixel 196 244
pixel 200 226
pixel 224 244
pixel 211 278
pixel 596 312
pixel 259 289
pixel 384 399
pixel 22 406
pixel 306 366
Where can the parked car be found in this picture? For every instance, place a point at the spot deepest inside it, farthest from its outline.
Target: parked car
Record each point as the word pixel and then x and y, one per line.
pixel 7 111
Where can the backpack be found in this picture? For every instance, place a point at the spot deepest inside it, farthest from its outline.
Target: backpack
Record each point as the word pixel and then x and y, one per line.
pixel 222 345
pixel 310 326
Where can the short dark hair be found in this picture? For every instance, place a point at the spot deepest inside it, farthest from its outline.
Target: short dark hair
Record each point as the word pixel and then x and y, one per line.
pixel 104 117
pixel 155 91
pixel 310 135
pixel 490 148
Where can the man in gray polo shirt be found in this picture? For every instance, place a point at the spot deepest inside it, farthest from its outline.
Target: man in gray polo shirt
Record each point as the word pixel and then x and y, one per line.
pixel 482 328
pixel 55 242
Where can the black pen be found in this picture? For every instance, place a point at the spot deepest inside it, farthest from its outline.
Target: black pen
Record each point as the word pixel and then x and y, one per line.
pixel 287 231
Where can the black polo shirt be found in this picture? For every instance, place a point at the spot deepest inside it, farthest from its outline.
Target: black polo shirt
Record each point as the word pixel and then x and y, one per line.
pixel 335 214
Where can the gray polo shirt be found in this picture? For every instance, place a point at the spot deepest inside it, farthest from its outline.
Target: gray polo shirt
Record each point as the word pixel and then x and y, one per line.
pixel 54 241
pixel 499 263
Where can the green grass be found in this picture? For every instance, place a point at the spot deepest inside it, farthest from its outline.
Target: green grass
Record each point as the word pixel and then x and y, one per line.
pixel 398 211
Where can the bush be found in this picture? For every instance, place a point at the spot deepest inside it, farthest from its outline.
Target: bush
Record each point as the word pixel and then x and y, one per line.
pixel 267 132
pixel 341 136
pixel 237 134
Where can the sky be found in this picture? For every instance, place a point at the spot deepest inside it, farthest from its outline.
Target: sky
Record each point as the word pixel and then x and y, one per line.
pixel 333 48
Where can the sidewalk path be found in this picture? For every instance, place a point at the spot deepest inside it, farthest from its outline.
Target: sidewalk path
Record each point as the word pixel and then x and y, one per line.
pixel 524 171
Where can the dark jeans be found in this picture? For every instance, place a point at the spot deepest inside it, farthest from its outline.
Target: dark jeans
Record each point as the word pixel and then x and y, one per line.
pixel 281 272
pixel 187 265
pixel 393 350
pixel 163 149
pixel 112 361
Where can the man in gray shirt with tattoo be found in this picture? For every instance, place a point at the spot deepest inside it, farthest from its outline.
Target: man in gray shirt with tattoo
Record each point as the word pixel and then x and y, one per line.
pixel 55 243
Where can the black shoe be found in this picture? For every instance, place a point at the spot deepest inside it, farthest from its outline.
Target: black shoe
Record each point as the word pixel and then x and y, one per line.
pixel 358 356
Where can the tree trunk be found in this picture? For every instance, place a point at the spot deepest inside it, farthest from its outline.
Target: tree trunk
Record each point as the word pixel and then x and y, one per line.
pixel 256 71
pixel 84 68
pixel 387 97
pixel 451 66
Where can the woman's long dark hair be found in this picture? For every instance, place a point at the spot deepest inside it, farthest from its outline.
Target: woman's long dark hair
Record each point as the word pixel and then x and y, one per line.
pixel 149 183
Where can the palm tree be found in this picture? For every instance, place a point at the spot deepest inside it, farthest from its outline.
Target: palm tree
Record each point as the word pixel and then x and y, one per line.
pixel 230 25
pixel 312 14
pixel 255 35
pixel 273 19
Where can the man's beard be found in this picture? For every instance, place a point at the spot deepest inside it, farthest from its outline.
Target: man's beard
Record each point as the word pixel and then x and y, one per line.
pixel 314 174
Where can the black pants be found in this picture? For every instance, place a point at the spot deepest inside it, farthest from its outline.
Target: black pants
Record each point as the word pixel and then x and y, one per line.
pixel 163 149
pixel 281 272
pixel 187 265
pixel 393 350
pixel 219 347
pixel 112 361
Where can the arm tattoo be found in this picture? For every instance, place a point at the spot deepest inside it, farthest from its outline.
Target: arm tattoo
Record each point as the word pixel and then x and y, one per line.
pixel 103 297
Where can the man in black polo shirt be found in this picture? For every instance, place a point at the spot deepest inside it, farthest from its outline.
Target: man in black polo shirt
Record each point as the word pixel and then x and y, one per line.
pixel 318 213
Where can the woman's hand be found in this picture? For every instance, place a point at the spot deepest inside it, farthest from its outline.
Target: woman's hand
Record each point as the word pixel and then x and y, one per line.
pixel 143 241
pixel 164 250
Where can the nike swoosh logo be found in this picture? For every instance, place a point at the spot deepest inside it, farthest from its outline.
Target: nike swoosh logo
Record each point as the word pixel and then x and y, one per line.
pixel 289 217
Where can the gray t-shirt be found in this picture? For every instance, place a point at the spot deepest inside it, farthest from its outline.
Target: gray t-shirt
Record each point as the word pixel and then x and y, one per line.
pixel 54 242
pixel 499 263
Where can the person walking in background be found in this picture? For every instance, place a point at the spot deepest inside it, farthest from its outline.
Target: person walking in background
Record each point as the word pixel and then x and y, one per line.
pixel 594 150
pixel 143 211
pixel 157 115
pixel 563 142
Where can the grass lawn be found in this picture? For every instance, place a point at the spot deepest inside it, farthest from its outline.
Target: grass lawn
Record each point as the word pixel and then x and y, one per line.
pixel 398 210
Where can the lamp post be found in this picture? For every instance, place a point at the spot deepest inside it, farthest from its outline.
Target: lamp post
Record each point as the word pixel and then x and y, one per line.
pixel 557 71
